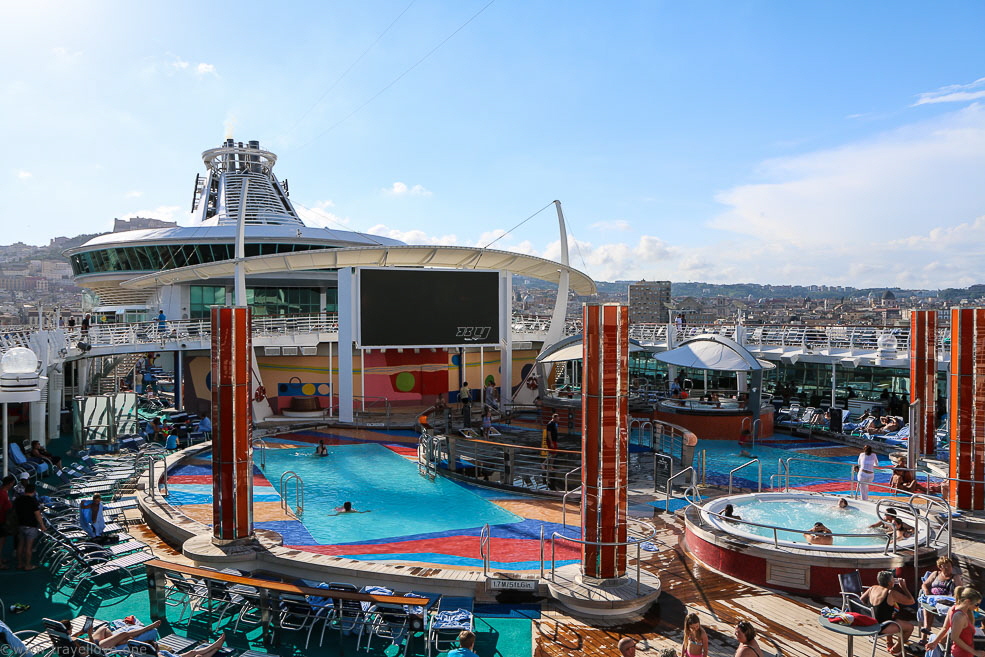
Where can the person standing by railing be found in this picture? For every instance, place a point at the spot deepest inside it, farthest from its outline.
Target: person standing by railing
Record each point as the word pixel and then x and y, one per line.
pixel 867 462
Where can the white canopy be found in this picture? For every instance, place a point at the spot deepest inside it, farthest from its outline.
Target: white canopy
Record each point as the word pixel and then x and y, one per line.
pixel 573 351
pixel 713 352
pixel 447 257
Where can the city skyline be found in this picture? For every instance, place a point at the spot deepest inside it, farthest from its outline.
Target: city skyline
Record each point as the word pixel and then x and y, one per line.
pixel 733 143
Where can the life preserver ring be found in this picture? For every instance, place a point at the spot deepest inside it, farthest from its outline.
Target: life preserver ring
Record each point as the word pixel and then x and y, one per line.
pixel 259 394
pixel 532 383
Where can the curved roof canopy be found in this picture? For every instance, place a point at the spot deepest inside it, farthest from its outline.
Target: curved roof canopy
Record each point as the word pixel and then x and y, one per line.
pixel 713 352
pixel 570 349
pixel 445 257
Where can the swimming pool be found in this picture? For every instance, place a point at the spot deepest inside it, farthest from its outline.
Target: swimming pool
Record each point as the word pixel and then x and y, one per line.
pixel 722 455
pixel 375 479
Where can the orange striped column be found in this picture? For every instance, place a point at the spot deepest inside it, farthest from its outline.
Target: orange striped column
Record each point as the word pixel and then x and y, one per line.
pixel 923 374
pixel 232 425
pixel 966 408
pixel 605 442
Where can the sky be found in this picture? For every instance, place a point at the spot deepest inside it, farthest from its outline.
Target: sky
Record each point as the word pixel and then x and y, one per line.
pixel 829 143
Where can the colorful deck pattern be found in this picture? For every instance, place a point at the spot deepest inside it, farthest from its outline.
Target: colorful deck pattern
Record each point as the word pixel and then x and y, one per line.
pixel 513 546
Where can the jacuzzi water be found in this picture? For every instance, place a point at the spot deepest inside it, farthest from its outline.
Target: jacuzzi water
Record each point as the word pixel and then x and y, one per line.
pixel 803 514
pixel 375 479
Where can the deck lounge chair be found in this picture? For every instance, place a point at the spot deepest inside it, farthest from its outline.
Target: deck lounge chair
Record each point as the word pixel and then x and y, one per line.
pixel 451 616
pixel 38 469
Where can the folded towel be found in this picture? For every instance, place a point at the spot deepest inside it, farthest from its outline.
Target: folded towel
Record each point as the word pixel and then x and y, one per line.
pixel 375 590
pixel 836 616
pixel 452 619
pixel 648 546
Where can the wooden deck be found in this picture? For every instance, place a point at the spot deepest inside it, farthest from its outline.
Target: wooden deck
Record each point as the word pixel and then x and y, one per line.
pixel 787 624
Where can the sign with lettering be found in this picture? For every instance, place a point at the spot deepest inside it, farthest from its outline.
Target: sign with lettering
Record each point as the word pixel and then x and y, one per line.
pixel 512 584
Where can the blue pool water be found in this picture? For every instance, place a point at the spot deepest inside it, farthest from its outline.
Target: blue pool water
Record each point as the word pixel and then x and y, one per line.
pixel 723 455
pixel 375 479
pixel 803 514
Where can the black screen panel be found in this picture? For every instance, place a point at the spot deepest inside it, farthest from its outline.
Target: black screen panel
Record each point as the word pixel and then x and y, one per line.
pixel 428 308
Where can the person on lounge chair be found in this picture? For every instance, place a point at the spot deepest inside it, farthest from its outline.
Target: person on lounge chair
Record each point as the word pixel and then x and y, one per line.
pixel 106 638
pixel 207 651
pixel 91 516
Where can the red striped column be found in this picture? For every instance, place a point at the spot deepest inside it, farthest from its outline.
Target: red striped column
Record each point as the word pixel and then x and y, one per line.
pixel 967 408
pixel 605 440
pixel 232 425
pixel 923 374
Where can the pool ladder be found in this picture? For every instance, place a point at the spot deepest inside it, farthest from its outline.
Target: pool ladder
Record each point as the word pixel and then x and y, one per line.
pixel 428 453
pixel 285 481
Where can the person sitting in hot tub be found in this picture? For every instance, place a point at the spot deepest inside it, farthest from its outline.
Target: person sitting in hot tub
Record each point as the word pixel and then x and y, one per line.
pixel 729 512
pixel 819 535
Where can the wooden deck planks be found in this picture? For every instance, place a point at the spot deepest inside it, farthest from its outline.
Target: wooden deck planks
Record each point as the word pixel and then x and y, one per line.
pixel 788 624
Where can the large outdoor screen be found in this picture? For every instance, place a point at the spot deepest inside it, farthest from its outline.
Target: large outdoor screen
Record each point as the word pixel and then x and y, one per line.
pixel 428 308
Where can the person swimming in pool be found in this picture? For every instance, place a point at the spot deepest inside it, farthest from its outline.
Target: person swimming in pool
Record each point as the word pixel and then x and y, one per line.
pixel 321 449
pixel 346 508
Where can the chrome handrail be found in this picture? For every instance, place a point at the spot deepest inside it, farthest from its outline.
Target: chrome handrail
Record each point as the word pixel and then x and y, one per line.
pixel 261 446
pixel 916 528
pixel 675 476
pixel 732 472
pixel 564 506
pixel 570 472
pixel 286 479
pixel 931 501
pixel 485 535
pixel 637 542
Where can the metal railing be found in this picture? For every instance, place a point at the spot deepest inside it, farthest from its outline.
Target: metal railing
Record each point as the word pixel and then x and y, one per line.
pixel 783 467
pixel 286 479
pixel 908 506
pixel 428 455
pixel 759 479
pixel 638 541
pixel 484 539
pixel 672 478
pixel 259 445
pixel 522 466
pixel 932 501
pixel 154 486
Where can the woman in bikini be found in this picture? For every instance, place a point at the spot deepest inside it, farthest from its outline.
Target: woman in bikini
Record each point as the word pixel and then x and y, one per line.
pixel 105 638
pixel 745 634
pixel 695 638
pixel 943 581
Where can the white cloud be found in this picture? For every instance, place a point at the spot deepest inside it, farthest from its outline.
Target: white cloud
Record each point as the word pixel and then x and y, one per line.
pixel 954 93
pixel 178 63
pixel 133 193
pixel 24 175
pixel 615 224
pixel 320 216
pixel 413 236
pixel 401 189
pixel 859 196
